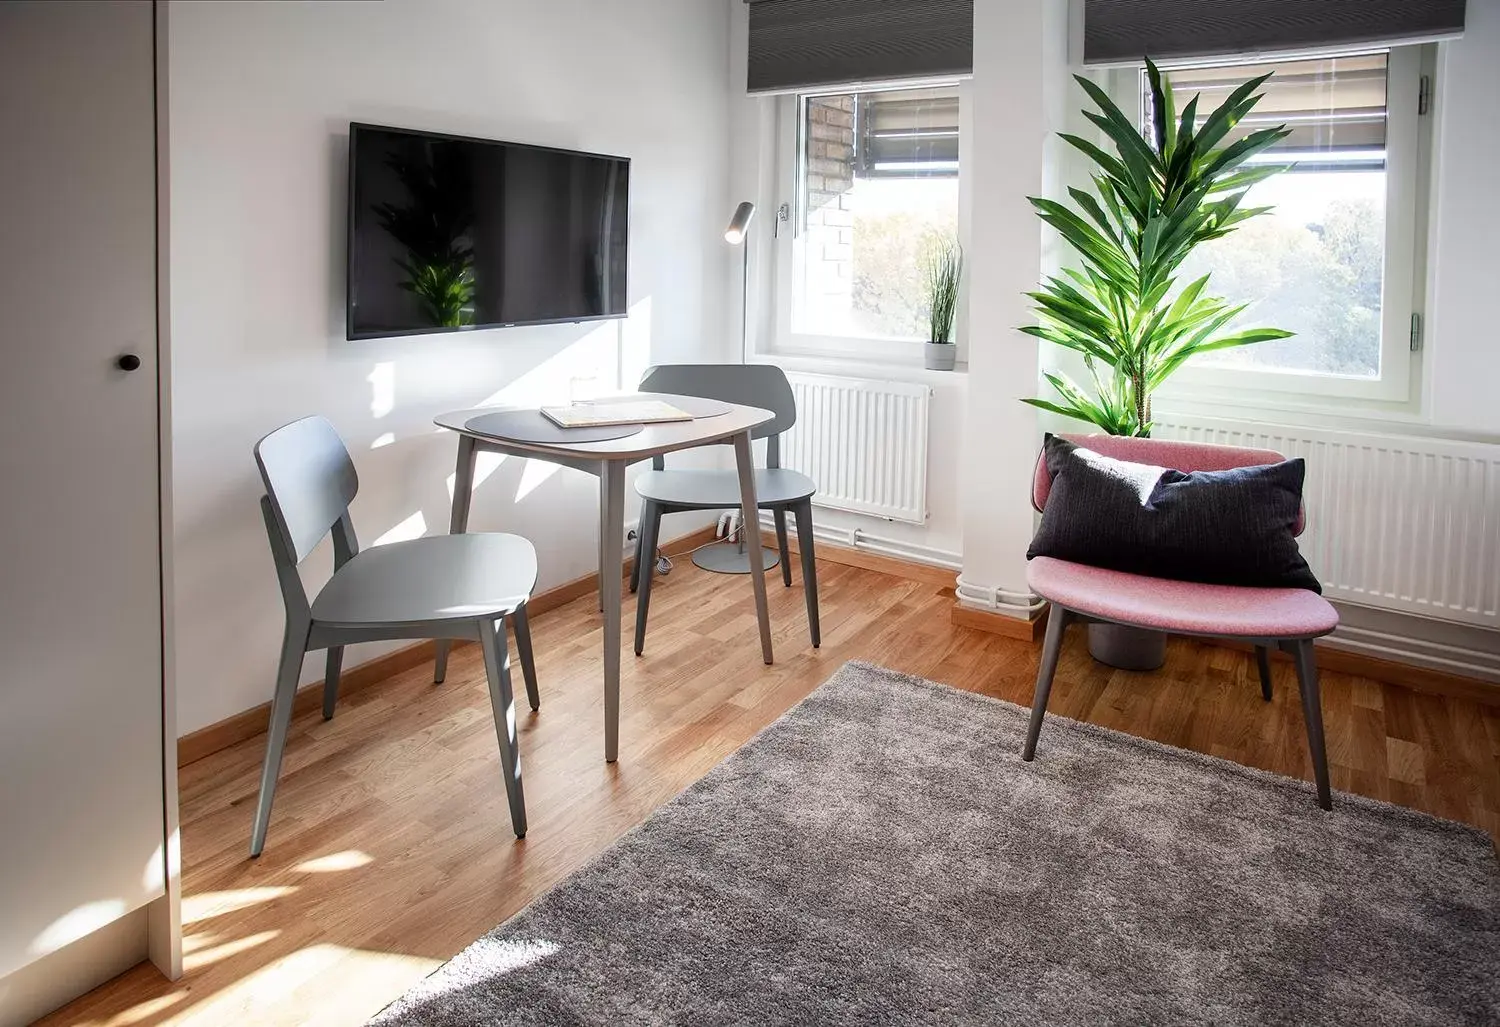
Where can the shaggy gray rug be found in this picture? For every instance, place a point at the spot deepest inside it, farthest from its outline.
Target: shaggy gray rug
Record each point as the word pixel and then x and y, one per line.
pixel 881 855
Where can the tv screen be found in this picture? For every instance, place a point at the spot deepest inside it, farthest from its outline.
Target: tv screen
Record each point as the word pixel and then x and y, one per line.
pixel 448 233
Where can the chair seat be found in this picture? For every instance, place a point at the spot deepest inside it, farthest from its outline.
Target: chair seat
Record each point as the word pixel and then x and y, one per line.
pixel 445 577
pixel 710 490
pixel 1185 607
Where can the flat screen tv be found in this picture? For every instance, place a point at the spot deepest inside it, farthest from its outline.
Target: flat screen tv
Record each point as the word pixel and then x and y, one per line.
pixel 448 233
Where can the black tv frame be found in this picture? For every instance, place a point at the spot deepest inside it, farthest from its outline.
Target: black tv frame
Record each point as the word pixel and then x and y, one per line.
pixel 352 336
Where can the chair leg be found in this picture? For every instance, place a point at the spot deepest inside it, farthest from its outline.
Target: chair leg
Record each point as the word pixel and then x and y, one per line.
pixel 289 669
pixel 1263 663
pixel 640 530
pixel 779 516
pixel 497 670
pixel 1057 622
pixel 803 512
pixel 331 679
pixel 528 659
pixel 650 529
pixel 1312 713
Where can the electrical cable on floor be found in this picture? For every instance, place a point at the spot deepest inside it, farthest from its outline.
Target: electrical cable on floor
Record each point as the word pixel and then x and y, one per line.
pixel 664 563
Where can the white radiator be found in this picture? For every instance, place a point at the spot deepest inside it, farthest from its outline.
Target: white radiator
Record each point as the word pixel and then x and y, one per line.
pixel 863 442
pixel 1398 522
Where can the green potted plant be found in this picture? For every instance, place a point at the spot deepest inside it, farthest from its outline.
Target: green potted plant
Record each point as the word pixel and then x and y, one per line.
pixel 944 270
pixel 1153 201
pixel 433 229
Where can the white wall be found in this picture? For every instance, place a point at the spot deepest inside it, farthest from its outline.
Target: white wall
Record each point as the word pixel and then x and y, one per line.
pixel 1463 334
pixel 261 98
pixel 1020 95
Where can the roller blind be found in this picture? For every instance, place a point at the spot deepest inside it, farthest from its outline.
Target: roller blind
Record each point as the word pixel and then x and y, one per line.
pixel 1335 108
pixel 1123 31
pixel 803 44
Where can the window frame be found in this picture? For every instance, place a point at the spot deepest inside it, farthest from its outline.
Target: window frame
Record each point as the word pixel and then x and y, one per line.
pixel 1403 286
pixel 788 255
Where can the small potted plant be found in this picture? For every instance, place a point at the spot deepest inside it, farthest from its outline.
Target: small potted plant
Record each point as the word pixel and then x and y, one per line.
pixel 944 270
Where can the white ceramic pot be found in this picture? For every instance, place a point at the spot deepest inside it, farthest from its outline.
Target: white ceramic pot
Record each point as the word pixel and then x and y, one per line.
pixel 941 355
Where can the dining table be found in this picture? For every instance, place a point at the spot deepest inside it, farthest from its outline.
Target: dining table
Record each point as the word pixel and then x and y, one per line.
pixel 524 433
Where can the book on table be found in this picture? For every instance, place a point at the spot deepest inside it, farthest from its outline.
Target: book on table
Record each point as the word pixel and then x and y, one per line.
pixel 598 415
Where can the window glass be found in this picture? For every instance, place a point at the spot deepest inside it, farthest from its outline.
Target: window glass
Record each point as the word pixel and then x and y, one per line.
pixel 877 186
pixel 1314 264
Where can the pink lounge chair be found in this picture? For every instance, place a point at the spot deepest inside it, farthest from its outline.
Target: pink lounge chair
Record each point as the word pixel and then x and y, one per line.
pixel 1287 618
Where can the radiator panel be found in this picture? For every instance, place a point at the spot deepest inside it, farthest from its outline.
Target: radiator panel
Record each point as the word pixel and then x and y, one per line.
pixel 864 442
pixel 1396 522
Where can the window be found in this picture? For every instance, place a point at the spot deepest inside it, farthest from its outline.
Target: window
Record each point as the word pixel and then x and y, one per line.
pixel 1335 260
pixel 875 186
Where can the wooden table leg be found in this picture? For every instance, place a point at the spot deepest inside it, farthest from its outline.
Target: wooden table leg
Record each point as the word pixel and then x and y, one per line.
pixel 613 530
pixel 458 523
pixel 744 460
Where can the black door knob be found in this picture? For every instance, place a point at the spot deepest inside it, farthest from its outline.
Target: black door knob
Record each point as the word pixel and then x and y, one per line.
pixel 128 362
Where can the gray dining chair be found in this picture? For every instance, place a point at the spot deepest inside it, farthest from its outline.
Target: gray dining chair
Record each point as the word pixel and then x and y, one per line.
pixel 447 586
pixel 778 489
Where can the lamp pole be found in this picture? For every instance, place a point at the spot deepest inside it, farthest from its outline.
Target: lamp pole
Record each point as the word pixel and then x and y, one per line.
pixel 726 557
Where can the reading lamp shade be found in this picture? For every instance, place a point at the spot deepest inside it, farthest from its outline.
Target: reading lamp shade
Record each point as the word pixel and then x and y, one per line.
pixel 740 223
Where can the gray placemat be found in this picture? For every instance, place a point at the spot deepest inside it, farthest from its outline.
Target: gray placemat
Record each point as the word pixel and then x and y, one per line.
pixel 532 426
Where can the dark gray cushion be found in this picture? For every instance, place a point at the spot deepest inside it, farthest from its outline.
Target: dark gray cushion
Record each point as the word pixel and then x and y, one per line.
pixel 1223 527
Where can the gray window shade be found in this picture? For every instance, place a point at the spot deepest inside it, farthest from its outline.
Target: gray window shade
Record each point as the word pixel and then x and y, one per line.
pixel 802 44
pixel 1123 31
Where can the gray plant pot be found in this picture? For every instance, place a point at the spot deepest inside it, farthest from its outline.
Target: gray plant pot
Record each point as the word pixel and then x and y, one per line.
pixel 941 355
pixel 1116 645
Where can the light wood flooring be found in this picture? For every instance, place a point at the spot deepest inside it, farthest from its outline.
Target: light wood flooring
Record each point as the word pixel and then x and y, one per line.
pixel 390 848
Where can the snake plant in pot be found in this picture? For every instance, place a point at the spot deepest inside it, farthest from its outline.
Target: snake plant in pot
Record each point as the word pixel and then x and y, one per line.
pixel 1153 201
pixel 944 270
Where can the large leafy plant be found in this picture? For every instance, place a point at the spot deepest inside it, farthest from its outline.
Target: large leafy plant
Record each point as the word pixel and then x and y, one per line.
pixel 1151 204
pixel 433 228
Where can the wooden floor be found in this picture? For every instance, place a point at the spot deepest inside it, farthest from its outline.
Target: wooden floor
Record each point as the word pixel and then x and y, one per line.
pixel 390 848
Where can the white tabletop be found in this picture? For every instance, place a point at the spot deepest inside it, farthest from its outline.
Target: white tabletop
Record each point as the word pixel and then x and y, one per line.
pixel 650 441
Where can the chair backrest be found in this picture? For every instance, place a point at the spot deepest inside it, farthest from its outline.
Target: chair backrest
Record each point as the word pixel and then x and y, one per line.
pixel 1180 456
pixel 755 385
pixel 310 481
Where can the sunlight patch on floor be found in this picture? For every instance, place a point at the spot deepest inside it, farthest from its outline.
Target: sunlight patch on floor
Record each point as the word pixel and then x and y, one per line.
pixel 207 956
pixel 294 988
pixel 349 859
pixel 148 1011
pixel 217 903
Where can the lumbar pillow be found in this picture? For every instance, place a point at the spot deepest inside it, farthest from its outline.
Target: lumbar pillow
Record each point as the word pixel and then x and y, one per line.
pixel 1230 527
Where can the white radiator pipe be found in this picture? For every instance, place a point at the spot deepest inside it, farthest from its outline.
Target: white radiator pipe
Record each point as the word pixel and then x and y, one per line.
pixel 990 597
pixel 859 538
pixel 987 597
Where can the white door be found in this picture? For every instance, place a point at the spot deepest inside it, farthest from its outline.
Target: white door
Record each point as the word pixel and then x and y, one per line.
pixel 81 809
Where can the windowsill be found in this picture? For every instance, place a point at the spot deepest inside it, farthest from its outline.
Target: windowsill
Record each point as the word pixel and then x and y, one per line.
pixel 854 367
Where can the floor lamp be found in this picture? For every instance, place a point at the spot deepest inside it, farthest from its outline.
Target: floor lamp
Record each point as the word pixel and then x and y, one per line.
pixel 733 557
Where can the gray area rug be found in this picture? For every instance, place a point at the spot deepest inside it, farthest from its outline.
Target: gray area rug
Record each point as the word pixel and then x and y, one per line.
pixel 881 855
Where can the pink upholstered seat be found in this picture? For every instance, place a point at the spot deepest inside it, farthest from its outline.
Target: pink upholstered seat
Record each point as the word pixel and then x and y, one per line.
pixel 1283 618
pixel 1183 607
